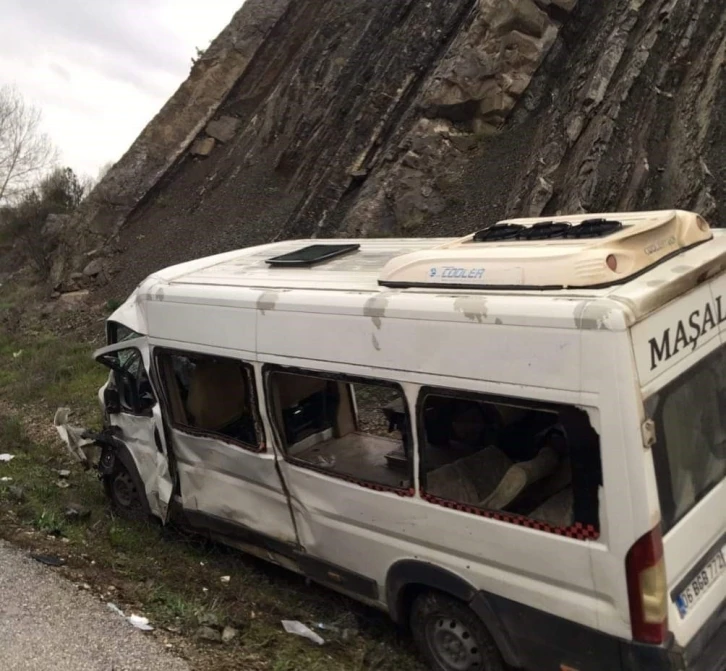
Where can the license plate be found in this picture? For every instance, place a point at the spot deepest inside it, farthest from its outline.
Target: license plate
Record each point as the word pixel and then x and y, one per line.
pixel 701 583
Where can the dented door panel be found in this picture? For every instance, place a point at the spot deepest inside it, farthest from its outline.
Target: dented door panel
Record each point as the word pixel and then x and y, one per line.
pixel 226 482
pixel 152 465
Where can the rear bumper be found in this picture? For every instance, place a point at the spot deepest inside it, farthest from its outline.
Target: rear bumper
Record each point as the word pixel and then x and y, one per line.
pixel 640 657
pixel 537 641
pixel 706 652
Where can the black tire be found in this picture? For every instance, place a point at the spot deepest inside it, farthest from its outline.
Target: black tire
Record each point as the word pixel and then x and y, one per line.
pixel 126 493
pixel 450 635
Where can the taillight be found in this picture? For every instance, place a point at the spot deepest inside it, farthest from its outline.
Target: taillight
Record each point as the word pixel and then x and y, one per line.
pixel 647 589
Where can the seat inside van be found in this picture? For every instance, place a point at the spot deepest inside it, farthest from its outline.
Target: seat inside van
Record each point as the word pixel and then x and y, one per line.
pixel 337 426
pixel 217 400
pixel 496 458
pixel 216 395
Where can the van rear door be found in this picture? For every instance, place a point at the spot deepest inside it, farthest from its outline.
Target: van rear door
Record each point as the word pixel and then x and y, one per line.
pixel 681 359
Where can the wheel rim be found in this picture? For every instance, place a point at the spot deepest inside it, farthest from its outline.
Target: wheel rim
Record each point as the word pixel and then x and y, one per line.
pixel 124 491
pixel 453 644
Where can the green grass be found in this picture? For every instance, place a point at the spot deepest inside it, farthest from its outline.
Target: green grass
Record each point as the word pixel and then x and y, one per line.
pixel 12 433
pixel 113 304
pixel 50 372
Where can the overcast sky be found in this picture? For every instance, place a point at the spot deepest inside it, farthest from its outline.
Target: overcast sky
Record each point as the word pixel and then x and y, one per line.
pixel 101 69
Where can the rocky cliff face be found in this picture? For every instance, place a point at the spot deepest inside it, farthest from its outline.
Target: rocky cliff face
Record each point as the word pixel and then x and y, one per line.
pixel 417 117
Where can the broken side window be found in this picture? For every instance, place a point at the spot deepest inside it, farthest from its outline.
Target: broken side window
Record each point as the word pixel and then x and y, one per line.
pixel 211 395
pixel 342 426
pixel 130 380
pixel 528 460
pixel 117 333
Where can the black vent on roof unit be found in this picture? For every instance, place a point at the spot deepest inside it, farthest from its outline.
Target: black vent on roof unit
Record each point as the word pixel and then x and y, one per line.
pixel 546 230
pixel 594 228
pixel 498 232
pixel 311 255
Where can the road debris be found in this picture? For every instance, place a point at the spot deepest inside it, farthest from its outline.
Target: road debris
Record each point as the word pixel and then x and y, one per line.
pixel 140 622
pixel 75 438
pixel 228 634
pixel 49 560
pixel 137 621
pixel 209 634
pixel 74 512
pixel 299 629
pixel 113 607
pixel 337 632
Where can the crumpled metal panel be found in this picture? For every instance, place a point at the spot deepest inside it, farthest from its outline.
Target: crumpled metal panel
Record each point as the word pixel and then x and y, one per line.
pixel 234 484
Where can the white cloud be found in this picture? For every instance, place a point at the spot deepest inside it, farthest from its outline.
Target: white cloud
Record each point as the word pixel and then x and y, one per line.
pixel 101 69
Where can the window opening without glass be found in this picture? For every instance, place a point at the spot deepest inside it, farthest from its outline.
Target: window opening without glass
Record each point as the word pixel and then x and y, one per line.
pixel 211 395
pixel 537 463
pixel 343 427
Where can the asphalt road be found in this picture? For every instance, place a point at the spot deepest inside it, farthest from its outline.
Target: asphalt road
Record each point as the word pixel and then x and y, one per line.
pixel 47 624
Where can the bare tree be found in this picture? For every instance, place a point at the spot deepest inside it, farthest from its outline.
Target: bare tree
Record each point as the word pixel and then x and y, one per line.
pixel 25 152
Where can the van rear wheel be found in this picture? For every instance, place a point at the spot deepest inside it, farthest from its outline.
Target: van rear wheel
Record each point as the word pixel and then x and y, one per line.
pixel 451 636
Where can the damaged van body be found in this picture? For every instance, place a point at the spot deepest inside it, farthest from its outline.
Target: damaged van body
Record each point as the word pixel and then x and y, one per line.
pixel 512 442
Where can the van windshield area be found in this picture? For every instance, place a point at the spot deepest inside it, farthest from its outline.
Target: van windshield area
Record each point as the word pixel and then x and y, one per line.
pixel 690 450
pixel 116 333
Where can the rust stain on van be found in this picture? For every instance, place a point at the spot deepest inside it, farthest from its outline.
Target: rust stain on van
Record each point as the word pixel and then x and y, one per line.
pixel 268 301
pixel 474 308
pixel 375 308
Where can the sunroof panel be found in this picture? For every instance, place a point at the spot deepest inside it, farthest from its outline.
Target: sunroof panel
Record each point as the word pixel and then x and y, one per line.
pixel 312 255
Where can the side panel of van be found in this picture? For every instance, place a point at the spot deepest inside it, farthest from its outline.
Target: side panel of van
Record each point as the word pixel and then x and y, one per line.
pixel 627 509
pixel 396 335
pixel 366 531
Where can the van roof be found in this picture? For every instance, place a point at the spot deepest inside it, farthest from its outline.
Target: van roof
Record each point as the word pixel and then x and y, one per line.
pixel 645 259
